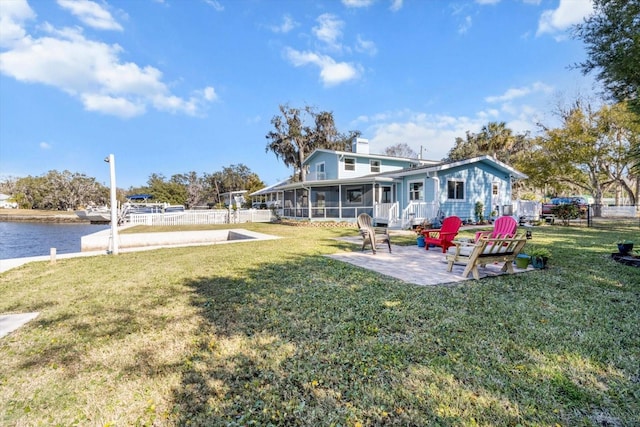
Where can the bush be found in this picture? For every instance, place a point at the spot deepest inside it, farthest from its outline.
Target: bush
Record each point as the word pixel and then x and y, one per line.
pixel 566 212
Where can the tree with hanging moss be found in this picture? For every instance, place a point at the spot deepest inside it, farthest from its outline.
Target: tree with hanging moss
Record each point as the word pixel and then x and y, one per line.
pixel 298 132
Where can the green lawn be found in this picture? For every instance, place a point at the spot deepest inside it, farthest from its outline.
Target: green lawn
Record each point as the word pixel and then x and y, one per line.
pixel 275 333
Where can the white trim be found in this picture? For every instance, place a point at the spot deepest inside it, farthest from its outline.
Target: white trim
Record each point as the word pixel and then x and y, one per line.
pixel 321 175
pixel 464 190
pixel 409 190
pixel 344 164
pixel 379 165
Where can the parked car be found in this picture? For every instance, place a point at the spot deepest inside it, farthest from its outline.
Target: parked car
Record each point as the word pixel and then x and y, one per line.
pixel 583 205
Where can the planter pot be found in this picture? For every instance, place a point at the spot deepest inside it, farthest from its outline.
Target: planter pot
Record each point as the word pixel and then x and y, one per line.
pixel 625 248
pixel 420 241
pixel 522 261
pixel 539 262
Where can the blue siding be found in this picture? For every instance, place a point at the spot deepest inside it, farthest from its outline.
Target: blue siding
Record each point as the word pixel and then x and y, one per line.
pixel 330 161
pixel 334 164
pixel 478 179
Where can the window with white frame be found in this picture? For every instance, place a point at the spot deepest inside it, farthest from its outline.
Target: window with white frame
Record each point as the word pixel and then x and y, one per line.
pixel 455 190
pixel 349 164
pixel 320 171
pixel 375 166
pixel 416 191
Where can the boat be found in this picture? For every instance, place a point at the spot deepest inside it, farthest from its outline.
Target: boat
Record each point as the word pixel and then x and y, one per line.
pixel 95 214
pixel 142 204
pixel 135 204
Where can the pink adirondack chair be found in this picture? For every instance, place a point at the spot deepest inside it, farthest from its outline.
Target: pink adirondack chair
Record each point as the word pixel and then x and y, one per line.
pixel 442 237
pixel 504 227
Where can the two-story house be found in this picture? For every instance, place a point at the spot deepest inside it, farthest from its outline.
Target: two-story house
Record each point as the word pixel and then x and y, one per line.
pixel 396 191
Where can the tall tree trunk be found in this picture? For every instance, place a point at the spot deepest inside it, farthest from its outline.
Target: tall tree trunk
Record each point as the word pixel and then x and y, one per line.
pixel 303 172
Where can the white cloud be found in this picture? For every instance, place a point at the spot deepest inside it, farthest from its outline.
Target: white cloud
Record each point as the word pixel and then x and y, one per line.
pixel 329 30
pixel 331 72
pixel 13 15
pixel 366 46
pixel 91 14
pixel 396 5
pixel 287 25
pixel 436 133
pixel 483 2
pixel 87 69
pixel 357 3
pixel 114 106
pixel 568 13
pixel 45 145
pixel 215 4
pixel 514 93
pixel 464 27
pixel 209 93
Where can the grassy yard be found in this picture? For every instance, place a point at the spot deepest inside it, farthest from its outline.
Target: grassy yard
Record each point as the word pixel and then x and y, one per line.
pixel 275 333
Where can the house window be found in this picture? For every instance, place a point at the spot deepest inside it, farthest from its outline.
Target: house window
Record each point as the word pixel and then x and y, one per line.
pixel 320 171
pixel 416 191
pixel 375 166
pixel 455 190
pixel 494 189
pixel 349 164
pixel 354 195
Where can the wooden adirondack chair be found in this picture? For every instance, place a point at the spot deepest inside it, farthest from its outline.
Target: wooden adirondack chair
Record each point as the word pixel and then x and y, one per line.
pixel 442 237
pixel 372 235
pixel 505 226
pixel 485 251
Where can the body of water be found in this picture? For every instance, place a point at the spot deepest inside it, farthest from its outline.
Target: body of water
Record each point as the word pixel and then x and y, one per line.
pixel 26 239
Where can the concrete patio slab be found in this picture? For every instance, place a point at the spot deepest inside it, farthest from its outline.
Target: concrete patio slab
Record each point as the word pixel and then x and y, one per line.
pixel 413 264
pixel 11 322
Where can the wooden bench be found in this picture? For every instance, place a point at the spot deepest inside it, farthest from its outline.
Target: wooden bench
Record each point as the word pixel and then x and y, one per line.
pixel 484 251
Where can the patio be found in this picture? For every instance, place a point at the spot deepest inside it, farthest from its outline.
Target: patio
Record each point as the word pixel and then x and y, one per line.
pixel 413 264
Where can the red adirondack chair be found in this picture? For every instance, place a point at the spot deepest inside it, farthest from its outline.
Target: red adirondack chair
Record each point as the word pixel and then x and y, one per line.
pixel 504 227
pixel 442 237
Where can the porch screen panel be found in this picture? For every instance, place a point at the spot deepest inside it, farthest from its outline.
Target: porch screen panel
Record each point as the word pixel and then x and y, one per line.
pixel 325 202
pixel 357 199
pixel 302 207
pixel 289 203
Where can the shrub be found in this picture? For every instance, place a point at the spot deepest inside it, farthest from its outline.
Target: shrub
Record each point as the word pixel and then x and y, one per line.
pixel 566 212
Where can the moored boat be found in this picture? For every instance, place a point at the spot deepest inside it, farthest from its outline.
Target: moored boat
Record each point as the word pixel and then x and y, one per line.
pixel 95 214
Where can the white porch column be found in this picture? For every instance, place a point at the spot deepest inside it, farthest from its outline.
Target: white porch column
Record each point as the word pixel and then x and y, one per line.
pixel 340 201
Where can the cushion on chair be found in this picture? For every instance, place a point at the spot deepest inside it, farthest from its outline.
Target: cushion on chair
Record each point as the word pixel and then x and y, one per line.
pixel 466 250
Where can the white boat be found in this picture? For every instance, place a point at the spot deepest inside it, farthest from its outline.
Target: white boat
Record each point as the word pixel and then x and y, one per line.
pixel 95 214
pixel 135 204
pixel 141 204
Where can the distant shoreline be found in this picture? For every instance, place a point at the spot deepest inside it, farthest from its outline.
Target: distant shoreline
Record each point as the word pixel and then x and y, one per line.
pixel 33 215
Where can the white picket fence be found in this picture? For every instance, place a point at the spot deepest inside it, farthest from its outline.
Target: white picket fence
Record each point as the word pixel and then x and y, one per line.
pixel 201 217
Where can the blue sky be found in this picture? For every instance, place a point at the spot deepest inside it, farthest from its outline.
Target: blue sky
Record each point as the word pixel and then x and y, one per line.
pixel 173 86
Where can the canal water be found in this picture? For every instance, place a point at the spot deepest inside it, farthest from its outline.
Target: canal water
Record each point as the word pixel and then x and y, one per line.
pixel 27 239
